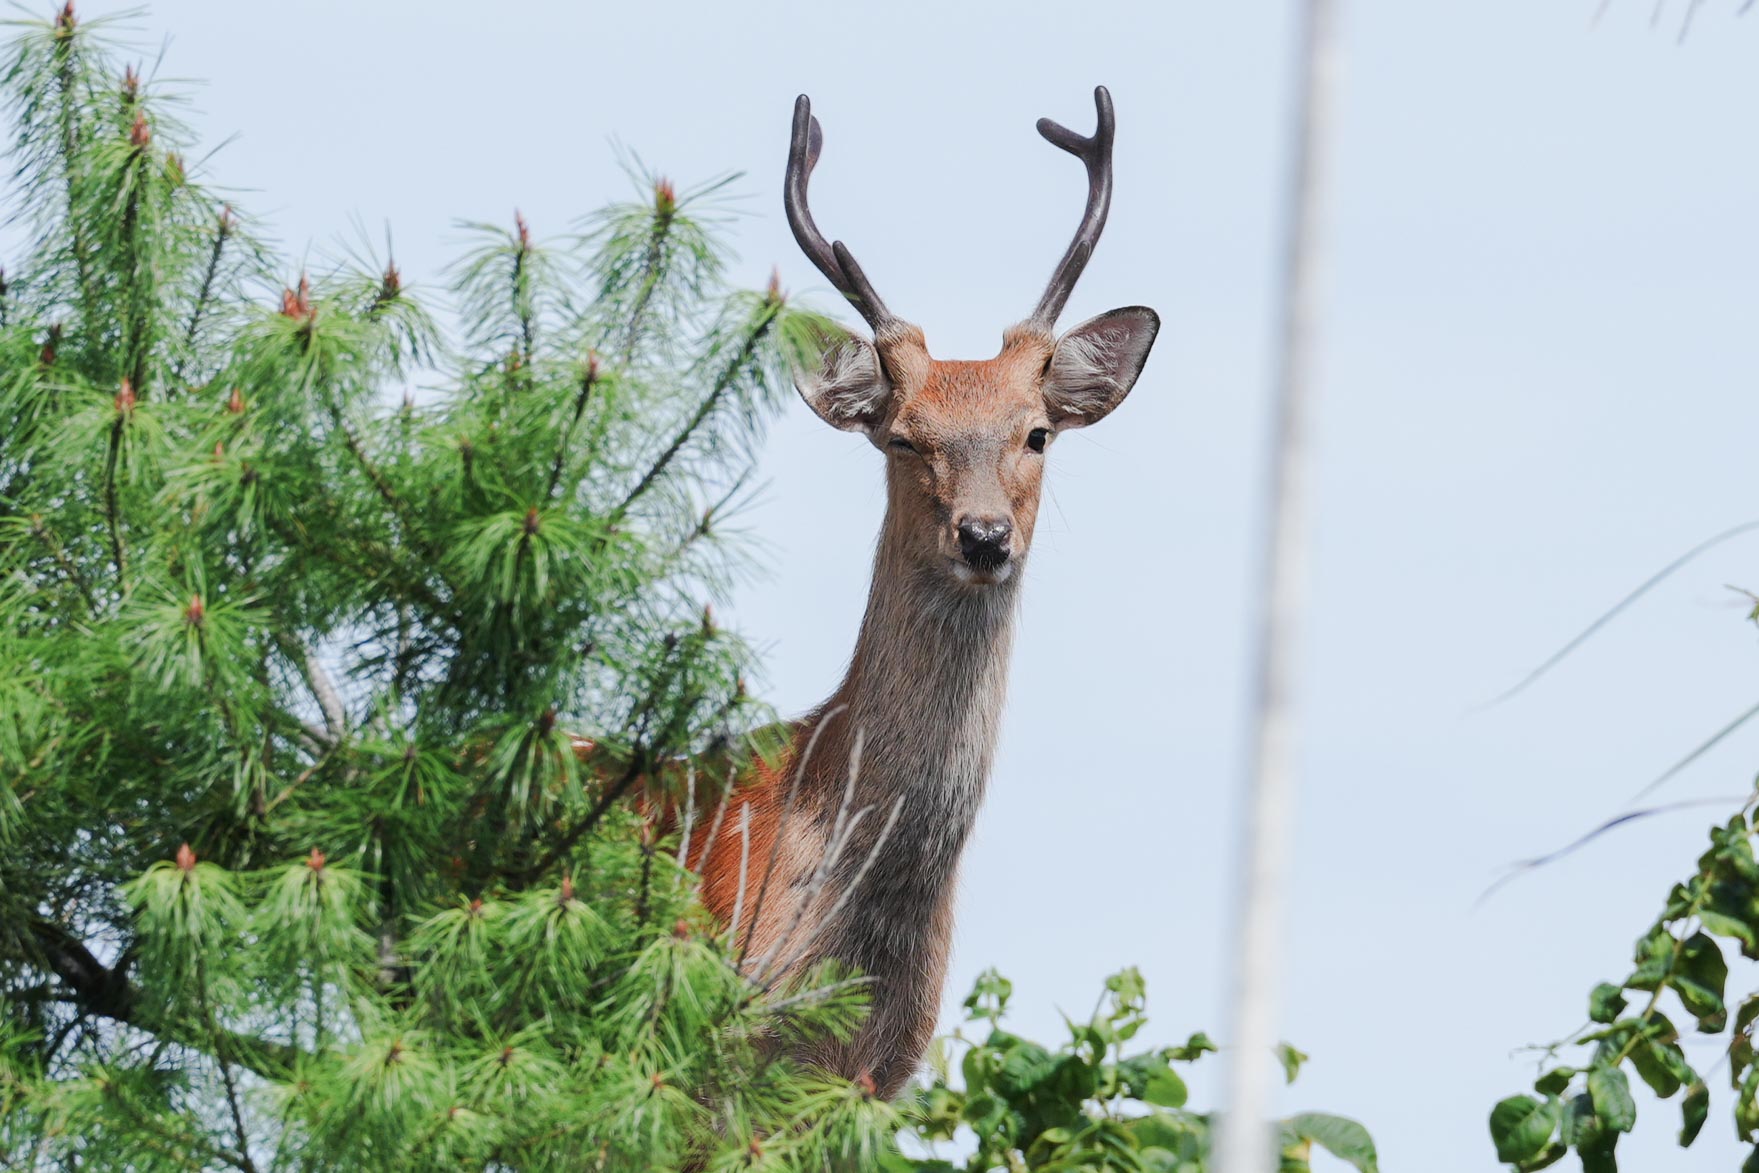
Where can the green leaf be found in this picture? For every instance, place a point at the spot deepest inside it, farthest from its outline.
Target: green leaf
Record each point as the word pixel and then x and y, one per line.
pixel 1580 1126
pixel 1553 1082
pixel 1291 1060
pixel 1611 1093
pixel 1343 1138
pixel 1598 1157
pixel 1520 1126
pixel 1693 1111
pixel 1554 1152
pixel 1606 1003
pixel 1654 959
pixel 1734 928
pixel 1654 1063
pixel 1699 978
pixel 1194 1048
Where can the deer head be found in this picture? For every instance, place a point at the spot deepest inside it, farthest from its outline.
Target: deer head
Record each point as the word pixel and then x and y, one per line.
pixel 965 441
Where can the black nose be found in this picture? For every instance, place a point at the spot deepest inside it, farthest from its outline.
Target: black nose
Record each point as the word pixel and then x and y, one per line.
pixel 984 541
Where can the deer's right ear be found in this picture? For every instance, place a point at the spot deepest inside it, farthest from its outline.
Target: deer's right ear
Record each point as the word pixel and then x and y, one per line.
pixel 849 390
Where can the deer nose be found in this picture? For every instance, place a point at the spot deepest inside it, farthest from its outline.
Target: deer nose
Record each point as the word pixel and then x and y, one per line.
pixel 984 541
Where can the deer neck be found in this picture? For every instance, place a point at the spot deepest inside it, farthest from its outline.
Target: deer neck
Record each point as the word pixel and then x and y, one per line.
pixel 924 692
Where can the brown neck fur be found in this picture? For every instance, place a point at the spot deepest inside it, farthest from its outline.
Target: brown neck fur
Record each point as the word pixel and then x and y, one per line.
pixel 924 692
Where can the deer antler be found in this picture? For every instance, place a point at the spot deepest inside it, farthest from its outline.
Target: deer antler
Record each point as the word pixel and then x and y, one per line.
pixel 1096 153
pixel 833 260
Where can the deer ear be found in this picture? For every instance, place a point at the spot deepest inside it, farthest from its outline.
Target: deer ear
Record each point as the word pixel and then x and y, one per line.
pixel 1096 363
pixel 848 390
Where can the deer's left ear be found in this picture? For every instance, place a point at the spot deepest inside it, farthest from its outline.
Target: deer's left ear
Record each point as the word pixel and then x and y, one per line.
pixel 1096 363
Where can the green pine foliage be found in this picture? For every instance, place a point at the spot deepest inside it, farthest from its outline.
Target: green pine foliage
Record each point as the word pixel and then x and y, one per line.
pixel 322 704
pixel 301 863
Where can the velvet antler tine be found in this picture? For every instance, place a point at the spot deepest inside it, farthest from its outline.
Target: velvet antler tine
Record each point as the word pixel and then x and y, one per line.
pixel 1095 152
pixel 834 261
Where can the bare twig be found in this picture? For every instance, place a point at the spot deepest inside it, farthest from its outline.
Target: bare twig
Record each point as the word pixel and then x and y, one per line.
pixel 329 700
pixel 854 883
pixel 689 821
pixel 1618 608
pixel 744 860
pixel 714 827
pixel 1522 866
pixel 833 847
pixel 799 771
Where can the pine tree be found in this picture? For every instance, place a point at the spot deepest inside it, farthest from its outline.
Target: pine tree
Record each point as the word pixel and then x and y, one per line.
pixel 320 703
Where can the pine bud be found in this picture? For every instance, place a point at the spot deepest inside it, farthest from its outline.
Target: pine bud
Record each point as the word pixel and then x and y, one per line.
pixel 140 134
pixel 64 22
pixel 391 285
pixel 708 621
pixel 235 402
pixel 506 1056
pixel 532 522
pixel 681 930
pixel 665 198
pixel 524 231
pixel 739 689
pixel 219 450
pixel 125 399
pixel 395 1054
pixel 297 304
pixel 476 905
pixel 592 363
pixel 228 220
pixel 864 1081
pixel 315 861
pixel 546 721
pixel 567 896
pixel 659 1081
pixel 51 345
pixel 185 857
pixel 195 612
pixel 174 169
pixel 755 1148
pixel 774 293
pixel 130 83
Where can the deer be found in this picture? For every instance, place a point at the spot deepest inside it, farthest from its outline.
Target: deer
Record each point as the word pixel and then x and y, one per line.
pixel 847 842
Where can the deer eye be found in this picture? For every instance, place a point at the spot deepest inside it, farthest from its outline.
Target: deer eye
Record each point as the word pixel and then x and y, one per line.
pixel 900 444
pixel 1036 437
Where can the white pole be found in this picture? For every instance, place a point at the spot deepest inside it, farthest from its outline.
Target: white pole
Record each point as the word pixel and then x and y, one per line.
pixel 1247 1143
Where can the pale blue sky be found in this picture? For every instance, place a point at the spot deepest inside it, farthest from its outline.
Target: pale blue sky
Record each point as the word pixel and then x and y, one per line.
pixel 1539 384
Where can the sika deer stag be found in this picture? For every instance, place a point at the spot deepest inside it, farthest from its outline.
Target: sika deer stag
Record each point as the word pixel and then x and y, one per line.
pixel 854 836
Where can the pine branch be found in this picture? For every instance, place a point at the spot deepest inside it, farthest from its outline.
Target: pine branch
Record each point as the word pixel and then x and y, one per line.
pixel 221 233
pixel 587 382
pixel 665 209
pixel 112 516
pixel 67 85
pixel 59 553
pixel 723 384
pixel 105 991
pixel 218 1044
pixel 136 339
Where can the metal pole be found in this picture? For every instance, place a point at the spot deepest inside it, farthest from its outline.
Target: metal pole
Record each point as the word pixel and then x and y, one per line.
pixel 1247 1143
